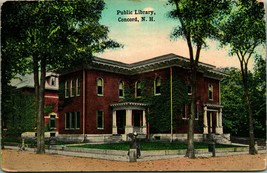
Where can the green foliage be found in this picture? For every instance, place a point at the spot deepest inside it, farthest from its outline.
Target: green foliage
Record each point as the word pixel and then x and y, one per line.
pixel 19 113
pixel 159 115
pixel 244 27
pixel 146 146
pixel 234 111
pixel 196 19
pixel 63 32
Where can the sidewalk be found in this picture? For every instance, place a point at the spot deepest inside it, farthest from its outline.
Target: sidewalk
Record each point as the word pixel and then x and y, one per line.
pixel 145 155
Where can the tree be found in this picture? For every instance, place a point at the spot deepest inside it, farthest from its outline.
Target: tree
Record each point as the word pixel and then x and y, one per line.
pixel 196 19
pixel 235 112
pixel 52 34
pixel 243 30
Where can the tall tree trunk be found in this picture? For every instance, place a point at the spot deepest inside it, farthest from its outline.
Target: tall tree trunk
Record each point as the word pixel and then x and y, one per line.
pixel 190 133
pixel 39 96
pixel 244 70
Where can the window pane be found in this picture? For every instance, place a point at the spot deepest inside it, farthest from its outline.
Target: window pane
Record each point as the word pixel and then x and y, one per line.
pixel 100 86
pixel 72 121
pixel 121 88
pixel 78 87
pixel 210 92
pixel 67 120
pixel 52 121
pixel 100 119
pixel 138 89
pixel 157 86
pixel 77 120
pixel 66 89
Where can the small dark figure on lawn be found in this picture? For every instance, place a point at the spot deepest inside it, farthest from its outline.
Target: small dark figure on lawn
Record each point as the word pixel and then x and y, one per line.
pixel 135 144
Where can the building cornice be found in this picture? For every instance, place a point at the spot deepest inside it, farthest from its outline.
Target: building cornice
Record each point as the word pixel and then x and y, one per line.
pixel 157 63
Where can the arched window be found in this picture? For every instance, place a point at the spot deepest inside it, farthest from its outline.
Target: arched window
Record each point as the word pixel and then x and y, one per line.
pixel 157 86
pixel 138 89
pixel 121 89
pixel 100 86
pixel 78 87
pixel 52 121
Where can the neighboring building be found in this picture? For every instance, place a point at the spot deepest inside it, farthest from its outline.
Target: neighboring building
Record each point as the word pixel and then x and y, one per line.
pixel 92 105
pixel 25 83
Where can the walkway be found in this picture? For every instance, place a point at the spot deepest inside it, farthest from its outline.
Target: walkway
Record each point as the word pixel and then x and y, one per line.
pixel 145 155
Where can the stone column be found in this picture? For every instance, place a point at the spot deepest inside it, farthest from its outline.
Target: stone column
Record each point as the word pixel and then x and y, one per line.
pixel 220 128
pixel 129 125
pixel 114 123
pixel 217 129
pixel 211 122
pixel 144 122
pixel 205 129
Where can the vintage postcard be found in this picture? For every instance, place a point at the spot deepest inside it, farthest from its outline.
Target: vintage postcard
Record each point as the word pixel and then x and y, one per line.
pixel 133 85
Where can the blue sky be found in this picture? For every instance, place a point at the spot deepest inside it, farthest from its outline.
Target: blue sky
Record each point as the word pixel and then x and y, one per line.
pixel 145 40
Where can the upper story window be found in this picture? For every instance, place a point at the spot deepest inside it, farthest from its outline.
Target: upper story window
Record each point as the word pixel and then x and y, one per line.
pixel 210 92
pixel 72 89
pixel 66 89
pixel 100 87
pixel 138 89
pixel 52 81
pixel 121 89
pixel 157 86
pixel 78 87
pixel 189 90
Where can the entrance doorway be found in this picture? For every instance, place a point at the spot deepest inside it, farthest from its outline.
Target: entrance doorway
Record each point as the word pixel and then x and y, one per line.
pixel 121 121
pixel 211 121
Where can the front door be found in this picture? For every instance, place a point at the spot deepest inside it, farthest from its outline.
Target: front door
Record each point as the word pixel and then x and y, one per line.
pixel 137 120
pixel 211 121
pixel 121 121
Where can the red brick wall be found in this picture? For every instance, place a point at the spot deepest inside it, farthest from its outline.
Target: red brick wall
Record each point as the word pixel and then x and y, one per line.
pixel 93 102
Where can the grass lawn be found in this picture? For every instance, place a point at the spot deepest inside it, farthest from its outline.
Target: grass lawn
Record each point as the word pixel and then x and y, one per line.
pixel 149 146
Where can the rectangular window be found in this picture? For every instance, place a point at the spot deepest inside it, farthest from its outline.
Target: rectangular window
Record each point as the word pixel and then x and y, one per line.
pixel 210 95
pixel 121 89
pixel 186 111
pixel 67 120
pixel 72 120
pixel 78 87
pixel 189 90
pixel 138 89
pixel 66 89
pixel 157 86
pixel 100 120
pixel 72 89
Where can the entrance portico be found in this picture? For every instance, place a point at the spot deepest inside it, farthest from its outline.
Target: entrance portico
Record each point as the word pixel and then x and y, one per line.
pixel 212 119
pixel 128 117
